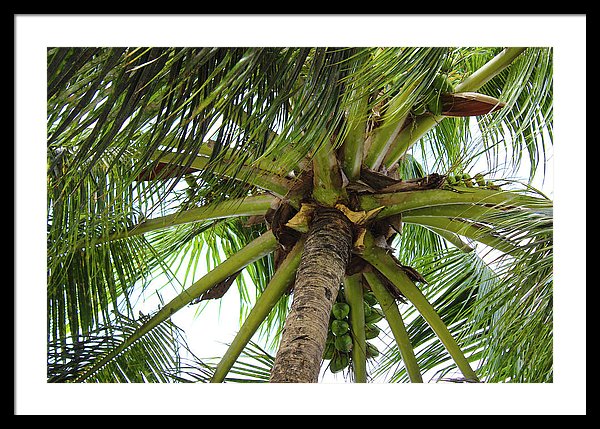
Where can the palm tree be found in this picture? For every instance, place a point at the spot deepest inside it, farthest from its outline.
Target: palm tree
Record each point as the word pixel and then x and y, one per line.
pixel 363 194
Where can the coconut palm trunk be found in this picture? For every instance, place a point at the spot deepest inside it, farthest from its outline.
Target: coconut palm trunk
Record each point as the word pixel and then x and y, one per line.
pixel 322 267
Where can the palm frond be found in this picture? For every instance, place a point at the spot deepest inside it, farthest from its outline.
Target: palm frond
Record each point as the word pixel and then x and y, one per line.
pixel 156 358
pixel 253 366
pixel 525 124
pixel 499 309
pixel 453 279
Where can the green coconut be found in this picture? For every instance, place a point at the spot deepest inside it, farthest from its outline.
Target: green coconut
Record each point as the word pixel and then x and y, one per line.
pixel 375 316
pixel 340 310
pixel 339 362
pixel 369 298
pixel 339 327
pixel 442 84
pixel 480 179
pixel 372 351
pixel 343 343
pixel 367 309
pixel 371 331
pixel 434 105
pixel 329 351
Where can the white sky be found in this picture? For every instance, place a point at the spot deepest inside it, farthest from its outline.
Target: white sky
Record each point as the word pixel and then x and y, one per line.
pixel 566 33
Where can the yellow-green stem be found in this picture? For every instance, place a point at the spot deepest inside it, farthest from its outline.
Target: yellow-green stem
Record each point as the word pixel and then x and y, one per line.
pixel 279 283
pixel 247 206
pixel 383 262
pixel 353 289
pixel 398 202
pixel 327 179
pixel 352 148
pixel 384 136
pixel 394 319
pixel 423 123
pixel 255 250
pixel 274 183
pixel 480 233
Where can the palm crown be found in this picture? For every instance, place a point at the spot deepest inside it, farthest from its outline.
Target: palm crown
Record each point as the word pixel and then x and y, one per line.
pixel 271 156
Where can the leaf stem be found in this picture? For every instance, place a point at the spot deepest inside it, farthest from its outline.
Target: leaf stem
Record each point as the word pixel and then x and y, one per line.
pixel 255 250
pixel 352 148
pixel 381 260
pixel 354 297
pixel 398 202
pixel 249 206
pixel 394 319
pixel 327 180
pixel 279 283
pixel 385 135
pixel 480 233
pixel 279 185
pixel 423 123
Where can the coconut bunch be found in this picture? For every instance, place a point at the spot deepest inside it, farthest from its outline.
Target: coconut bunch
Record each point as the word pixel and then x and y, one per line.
pixel 468 181
pixel 340 338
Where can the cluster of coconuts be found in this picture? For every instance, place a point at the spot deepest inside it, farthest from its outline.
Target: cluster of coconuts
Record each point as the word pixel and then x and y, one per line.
pixel 339 339
pixel 468 181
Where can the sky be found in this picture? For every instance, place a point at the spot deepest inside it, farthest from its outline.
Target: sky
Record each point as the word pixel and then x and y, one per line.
pixel 34 33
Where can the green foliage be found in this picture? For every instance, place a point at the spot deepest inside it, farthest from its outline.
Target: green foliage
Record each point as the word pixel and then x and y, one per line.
pixel 239 122
pixel 154 358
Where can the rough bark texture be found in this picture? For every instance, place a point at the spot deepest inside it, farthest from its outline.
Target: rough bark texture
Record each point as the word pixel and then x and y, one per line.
pixel 324 260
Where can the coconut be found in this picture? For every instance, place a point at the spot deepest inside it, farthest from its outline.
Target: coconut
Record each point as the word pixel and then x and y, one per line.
pixel 367 309
pixel 480 179
pixel 371 331
pixel 343 343
pixel 372 351
pixel 375 316
pixel 329 350
pixel 339 362
pixel 340 310
pixel 339 327
pixel 370 298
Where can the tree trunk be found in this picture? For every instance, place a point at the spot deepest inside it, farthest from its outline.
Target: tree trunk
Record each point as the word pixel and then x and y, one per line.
pixel 321 271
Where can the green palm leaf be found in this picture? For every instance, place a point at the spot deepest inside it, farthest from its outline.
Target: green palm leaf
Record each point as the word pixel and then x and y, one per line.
pixel 155 358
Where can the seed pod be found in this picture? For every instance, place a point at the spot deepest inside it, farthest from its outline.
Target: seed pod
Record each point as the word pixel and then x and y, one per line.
pixel 371 331
pixel 340 310
pixel 480 179
pixel 370 299
pixel 375 316
pixel 372 351
pixel 451 179
pixel 343 343
pixel 468 104
pixel 339 327
pixel 329 351
pixel 339 362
